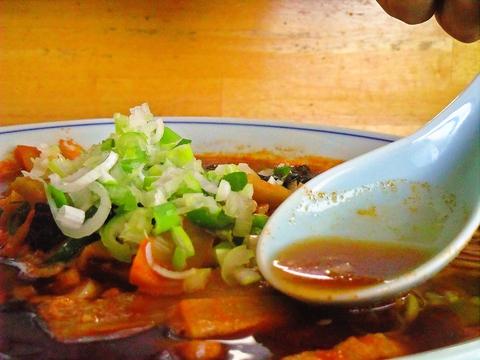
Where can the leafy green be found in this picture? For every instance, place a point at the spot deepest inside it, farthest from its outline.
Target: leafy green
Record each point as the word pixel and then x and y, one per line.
pixel 282 171
pixel 237 180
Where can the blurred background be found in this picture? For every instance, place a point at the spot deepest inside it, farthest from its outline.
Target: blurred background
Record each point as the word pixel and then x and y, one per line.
pixel 336 62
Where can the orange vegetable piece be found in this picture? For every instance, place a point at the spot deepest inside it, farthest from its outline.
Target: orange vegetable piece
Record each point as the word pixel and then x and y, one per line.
pixel 9 169
pixel 147 280
pixel 29 189
pixel 224 316
pixel 266 193
pixel 70 149
pixel 24 155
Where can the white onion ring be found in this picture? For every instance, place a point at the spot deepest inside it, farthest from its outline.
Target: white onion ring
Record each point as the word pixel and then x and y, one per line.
pixel 82 178
pixel 90 225
pixel 176 275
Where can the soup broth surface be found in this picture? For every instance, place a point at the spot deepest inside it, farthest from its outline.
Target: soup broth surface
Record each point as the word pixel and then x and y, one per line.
pixel 338 263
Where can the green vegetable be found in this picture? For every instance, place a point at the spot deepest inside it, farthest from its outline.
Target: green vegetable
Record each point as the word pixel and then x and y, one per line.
pixel 70 248
pixel 233 262
pixel 179 258
pixel 258 222
pixel 58 196
pixel 214 221
pixel 189 185
pixel 166 217
pixel 121 123
pixel 182 240
pixel 131 147
pixel 109 233
pixel 237 180
pixel 121 196
pixel 107 144
pixel 247 276
pixel 18 217
pixel 181 155
pixel 148 181
pixel 155 170
pixel 183 142
pixel 138 224
pixel 169 137
pixel 221 251
pixel 282 171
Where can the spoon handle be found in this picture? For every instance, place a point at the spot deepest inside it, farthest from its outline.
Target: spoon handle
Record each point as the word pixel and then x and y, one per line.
pixel 465 108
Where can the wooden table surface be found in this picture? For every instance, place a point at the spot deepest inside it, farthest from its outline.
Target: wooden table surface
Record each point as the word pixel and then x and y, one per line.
pixel 337 62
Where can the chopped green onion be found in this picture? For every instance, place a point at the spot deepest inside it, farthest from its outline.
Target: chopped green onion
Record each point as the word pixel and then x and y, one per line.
pixel 282 171
pixel 246 276
pixel 166 217
pixel 55 165
pixel 258 222
pixel 139 223
pixel 169 137
pixel 179 258
pixel 225 235
pixel 197 281
pixel 221 251
pixel 155 170
pixel 183 142
pixel 131 147
pixel 236 258
pixel 243 225
pixel 181 155
pixel 237 180
pixel 107 144
pixel 214 221
pixel 121 196
pixel 189 185
pixel 123 232
pixel 109 233
pixel 121 123
pixel 148 181
pixel 181 239
pixel 58 196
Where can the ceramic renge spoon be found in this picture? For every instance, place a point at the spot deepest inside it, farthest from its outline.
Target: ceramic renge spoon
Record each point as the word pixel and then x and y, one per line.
pixel 422 191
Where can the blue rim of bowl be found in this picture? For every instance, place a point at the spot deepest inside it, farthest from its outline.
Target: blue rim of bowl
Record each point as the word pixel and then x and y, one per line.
pixel 12 129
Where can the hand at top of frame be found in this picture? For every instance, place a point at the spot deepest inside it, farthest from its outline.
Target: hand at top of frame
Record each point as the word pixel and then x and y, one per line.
pixel 459 18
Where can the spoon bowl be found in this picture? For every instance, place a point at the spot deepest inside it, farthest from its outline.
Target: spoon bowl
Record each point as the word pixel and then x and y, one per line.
pixel 422 191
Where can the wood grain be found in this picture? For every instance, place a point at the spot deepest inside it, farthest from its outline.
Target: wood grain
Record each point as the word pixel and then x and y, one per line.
pixel 337 62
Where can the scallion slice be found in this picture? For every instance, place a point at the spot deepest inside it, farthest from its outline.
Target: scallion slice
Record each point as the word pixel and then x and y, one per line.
pixel 237 180
pixel 166 217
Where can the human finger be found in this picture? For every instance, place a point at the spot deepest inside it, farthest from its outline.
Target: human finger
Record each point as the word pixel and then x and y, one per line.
pixel 409 11
pixel 460 19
